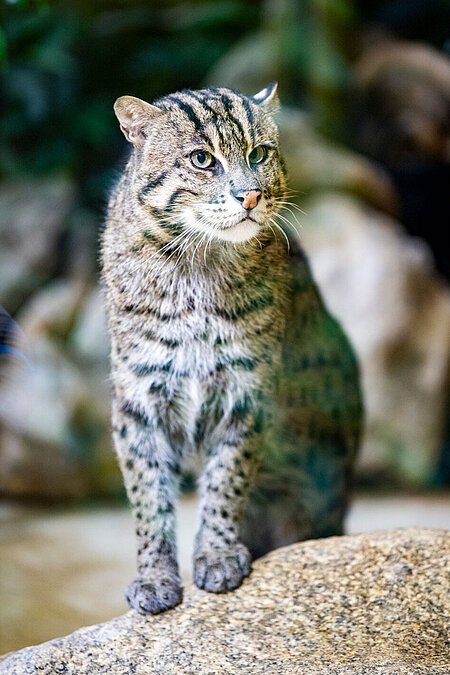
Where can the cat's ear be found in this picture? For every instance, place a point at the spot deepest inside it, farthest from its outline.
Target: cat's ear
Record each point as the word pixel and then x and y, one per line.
pixel 267 98
pixel 135 117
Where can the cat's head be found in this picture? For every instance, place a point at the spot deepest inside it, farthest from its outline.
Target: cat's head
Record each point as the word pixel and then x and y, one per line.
pixel 206 161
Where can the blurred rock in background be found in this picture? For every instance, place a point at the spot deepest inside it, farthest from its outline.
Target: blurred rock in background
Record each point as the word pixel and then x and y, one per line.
pixel 381 284
pixel 316 164
pixel 54 415
pixel 402 119
pixel 56 438
pixel 32 219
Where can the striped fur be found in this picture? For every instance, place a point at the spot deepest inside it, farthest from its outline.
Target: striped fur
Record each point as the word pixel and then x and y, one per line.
pixel 206 309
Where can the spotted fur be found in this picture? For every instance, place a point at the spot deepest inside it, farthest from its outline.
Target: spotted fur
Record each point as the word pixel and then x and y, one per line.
pixel 221 348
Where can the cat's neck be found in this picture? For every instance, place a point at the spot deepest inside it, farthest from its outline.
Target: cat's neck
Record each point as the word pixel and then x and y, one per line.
pixel 214 262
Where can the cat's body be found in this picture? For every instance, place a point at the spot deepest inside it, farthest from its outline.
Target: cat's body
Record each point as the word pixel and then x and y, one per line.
pixel 220 345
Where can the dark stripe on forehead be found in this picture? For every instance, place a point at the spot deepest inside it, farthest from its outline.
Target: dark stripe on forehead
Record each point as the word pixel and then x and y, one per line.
pixel 250 117
pixel 222 96
pixel 203 100
pixel 191 115
pixel 228 105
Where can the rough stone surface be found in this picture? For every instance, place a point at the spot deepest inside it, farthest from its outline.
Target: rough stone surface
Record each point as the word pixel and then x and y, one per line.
pixel 373 604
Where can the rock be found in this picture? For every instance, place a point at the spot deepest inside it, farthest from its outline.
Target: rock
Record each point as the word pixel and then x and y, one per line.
pixel 55 432
pixel 380 283
pixel 403 96
pixel 32 216
pixel 89 337
pixel 36 458
pixel 316 164
pixel 372 604
pixel 400 111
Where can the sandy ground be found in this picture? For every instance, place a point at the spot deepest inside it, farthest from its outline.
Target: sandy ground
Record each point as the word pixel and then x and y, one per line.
pixel 60 570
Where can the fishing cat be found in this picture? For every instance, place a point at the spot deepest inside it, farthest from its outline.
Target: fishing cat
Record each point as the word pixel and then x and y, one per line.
pixel 220 344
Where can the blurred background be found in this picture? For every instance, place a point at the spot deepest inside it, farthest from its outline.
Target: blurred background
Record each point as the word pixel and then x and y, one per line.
pixel 365 128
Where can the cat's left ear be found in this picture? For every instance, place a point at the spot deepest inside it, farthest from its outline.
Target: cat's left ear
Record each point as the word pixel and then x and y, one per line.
pixel 267 98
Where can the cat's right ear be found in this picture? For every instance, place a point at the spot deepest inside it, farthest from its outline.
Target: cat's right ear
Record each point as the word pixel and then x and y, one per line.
pixel 267 98
pixel 134 117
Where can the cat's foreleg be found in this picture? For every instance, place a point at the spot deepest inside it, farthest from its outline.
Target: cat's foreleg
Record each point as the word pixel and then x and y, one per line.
pixel 221 561
pixel 151 480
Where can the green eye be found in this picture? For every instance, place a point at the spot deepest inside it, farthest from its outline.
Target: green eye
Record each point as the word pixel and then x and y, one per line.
pixel 202 159
pixel 258 154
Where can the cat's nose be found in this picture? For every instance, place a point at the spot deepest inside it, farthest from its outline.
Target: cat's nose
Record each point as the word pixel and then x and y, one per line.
pixel 249 199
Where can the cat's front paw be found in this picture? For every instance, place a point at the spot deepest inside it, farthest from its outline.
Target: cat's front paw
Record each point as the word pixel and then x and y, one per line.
pixel 219 570
pixel 155 595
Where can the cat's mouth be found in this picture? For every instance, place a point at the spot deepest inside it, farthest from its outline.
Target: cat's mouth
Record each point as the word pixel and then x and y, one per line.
pixel 246 220
pixel 243 230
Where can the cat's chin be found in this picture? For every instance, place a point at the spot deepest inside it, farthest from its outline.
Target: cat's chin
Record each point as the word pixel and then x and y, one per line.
pixel 239 233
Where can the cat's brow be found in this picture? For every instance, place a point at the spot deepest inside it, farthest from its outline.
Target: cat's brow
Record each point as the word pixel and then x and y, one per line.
pixel 249 115
pixel 222 106
pixel 204 102
pixel 218 145
pixel 177 102
pixel 236 125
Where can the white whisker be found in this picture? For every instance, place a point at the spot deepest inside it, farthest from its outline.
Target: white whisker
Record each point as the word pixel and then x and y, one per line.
pixel 272 230
pixel 293 205
pixel 288 222
pixel 282 232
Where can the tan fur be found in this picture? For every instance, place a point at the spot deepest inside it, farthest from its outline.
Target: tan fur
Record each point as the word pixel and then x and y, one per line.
pixel 201 293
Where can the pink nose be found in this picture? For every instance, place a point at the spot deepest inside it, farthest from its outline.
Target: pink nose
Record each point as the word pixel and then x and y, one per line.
pixel 249 199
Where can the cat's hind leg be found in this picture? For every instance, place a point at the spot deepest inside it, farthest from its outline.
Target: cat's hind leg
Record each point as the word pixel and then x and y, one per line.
pixel 302 493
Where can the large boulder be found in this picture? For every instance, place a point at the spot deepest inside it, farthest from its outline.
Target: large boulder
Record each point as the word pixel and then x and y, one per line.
pixel 55 433
pixel 371 604
pixel 315 164
pixel 32 220
pixel 381 284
